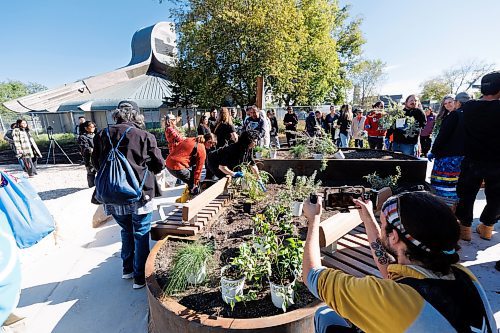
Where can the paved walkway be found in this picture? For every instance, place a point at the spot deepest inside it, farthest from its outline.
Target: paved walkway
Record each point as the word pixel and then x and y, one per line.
pixel 71 283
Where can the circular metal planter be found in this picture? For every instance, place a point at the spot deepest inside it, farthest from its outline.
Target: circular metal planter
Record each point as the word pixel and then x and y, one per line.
pixel 169 316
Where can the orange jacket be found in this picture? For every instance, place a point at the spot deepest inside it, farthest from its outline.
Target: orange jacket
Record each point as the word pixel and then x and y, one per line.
pixel 180 158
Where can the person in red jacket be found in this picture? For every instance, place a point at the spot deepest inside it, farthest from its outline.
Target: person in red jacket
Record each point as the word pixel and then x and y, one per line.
pixel 375 136
pixel 187 160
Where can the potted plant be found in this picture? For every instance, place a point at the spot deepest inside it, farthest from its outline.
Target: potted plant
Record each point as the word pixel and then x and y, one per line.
pixel 285 267
pixel 295 194
pixel 189 266
pixel 299 151
pixel 261 152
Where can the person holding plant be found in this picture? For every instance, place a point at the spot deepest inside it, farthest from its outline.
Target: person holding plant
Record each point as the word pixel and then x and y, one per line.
pixel 290 120
pixel 407 130
pixel 187 161
pixel 448 152
pixel 376 135
pixel 423 288
pixel 25 146
pixel 330 120
pixel 223 161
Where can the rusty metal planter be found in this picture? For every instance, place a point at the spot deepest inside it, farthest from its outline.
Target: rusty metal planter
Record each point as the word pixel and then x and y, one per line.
pixel 169 316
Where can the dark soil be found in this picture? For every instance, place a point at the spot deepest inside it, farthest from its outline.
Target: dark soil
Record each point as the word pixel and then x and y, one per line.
pixel 231 229
pixel 367 154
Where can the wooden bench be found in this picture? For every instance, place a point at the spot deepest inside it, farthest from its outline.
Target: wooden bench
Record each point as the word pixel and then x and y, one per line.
pixel 193 216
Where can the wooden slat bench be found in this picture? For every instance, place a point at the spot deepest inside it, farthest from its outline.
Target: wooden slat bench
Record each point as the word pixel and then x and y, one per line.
pixel 194 215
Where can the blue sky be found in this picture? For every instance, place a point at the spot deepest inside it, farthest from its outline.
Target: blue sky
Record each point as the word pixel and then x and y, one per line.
pixel 54 42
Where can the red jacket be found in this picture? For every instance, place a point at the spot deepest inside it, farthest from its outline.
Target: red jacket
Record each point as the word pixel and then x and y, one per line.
pixel 180 158
pixel 371 124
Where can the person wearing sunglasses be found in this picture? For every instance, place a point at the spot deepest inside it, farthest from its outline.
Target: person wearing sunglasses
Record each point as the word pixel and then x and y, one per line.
pixel 422 289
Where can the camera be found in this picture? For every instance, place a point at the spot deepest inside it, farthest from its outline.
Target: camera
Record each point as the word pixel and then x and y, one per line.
pixel 50 132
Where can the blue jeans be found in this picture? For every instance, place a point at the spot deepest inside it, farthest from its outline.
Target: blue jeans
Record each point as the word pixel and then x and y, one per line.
pixel 326 320
pixel 135 241
pixel 408 149
pixel 344 140
pixel 358 143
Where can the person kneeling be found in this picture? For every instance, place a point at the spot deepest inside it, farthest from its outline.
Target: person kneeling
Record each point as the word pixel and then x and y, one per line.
pixel 187 160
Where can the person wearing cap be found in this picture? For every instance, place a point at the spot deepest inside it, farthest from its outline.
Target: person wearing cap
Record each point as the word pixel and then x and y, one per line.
pixel 422 287
pixel 375 135
pixel 172 134
pixel 358 128
pixel 290 121
pixel 482 159
pixel 142 152
pixel 448 150
pixel 405 141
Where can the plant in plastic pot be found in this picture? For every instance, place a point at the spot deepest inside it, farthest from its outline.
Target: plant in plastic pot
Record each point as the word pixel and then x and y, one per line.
pixel 189 266
pixel 285 267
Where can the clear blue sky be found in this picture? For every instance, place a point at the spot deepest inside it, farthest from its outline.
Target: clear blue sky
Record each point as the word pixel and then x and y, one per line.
pixel 54 42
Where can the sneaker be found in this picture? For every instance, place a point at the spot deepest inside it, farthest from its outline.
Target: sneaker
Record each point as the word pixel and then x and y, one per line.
pixel 139 283
pixel 127 276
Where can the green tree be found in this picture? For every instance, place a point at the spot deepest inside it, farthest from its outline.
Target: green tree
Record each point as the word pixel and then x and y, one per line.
pixel 366 77
pixel 225 44
pixel 434 89
pixel 14 89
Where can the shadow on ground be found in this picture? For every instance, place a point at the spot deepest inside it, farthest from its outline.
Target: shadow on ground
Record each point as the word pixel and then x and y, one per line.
pixel 61 192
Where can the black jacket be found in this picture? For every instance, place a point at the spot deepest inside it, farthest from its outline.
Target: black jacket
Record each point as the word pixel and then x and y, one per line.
pixel 86 144
pixel 291 118
pixel 274 126
pixel 450 140
pixel 140 149
pixel 399 134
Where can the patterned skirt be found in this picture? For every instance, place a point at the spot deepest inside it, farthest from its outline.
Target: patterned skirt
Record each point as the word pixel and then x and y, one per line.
pixel 444 177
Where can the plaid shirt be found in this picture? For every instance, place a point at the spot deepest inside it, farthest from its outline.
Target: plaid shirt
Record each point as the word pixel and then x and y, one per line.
pixel 22 143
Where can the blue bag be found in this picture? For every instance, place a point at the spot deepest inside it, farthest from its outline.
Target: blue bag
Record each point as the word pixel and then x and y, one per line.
pixel 26 213
pixel 116 183
pixel 10 270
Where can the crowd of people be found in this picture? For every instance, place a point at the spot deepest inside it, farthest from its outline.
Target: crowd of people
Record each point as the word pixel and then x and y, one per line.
pixel 415 247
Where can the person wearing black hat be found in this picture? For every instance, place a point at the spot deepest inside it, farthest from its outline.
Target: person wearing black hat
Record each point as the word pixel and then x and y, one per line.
pixel 482 159
pixel 290 120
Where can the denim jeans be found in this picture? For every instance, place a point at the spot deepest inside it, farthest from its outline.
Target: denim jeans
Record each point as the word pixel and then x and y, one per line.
pixel 135 241
pixel 408 149
pixel 344 140
pixel 184 175
pixel 328 321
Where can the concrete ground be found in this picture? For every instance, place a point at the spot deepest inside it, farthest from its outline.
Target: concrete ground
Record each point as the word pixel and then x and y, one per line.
pixel 72 280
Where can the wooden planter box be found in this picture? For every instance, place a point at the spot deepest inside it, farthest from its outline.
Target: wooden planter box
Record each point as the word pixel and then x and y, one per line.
pixel 169 316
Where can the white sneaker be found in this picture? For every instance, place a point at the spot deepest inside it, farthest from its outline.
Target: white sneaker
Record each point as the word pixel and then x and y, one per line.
pixel 128 276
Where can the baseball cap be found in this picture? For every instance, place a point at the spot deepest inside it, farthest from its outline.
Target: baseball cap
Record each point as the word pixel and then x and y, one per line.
pixel 462 97
pixel 128 105
pixel 491 81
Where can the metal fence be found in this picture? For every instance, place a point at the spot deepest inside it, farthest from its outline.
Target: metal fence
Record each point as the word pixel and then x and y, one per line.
pixel 9 118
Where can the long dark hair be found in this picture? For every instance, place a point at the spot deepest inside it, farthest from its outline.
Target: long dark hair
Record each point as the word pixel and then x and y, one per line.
pixel 18 125
pixel 430 221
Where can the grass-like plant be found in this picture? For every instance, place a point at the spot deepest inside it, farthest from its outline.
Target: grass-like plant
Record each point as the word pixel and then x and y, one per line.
pixel 188 260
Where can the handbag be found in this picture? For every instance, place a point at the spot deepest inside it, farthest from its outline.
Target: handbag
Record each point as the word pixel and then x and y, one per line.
pixel 27 215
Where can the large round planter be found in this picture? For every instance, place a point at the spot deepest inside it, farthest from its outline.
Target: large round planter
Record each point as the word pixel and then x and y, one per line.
pixel 169 316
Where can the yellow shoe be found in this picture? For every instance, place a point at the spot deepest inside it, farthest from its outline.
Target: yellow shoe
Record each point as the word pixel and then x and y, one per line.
pixel 484 231
pixel 184 196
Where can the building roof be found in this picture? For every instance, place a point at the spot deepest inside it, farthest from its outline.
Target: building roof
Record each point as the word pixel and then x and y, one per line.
pixel 144 79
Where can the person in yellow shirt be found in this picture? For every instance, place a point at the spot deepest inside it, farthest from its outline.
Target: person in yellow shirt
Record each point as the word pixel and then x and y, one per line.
pixel 423 288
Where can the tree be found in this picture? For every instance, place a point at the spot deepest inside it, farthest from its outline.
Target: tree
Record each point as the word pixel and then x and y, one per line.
pixel 225 44
pixel 366 76
pixel 14 89
pixel 463 76
pixel 434 89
